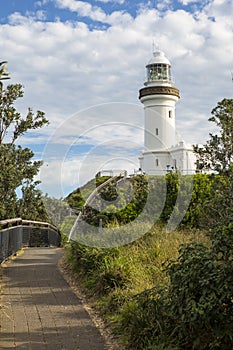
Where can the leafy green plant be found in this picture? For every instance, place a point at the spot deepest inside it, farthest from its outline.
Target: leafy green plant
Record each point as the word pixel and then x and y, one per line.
pixel 195 309
pixel 217 153
pixel 145 317
pixel 17 167
pixel 158 202
pixel 103 266
pixel 114 276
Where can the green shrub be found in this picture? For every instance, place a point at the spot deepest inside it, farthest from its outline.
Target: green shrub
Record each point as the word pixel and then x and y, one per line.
pixel 103 267
pixel 195 310
pixel 200 292
pixel 156 197
pixel 145 317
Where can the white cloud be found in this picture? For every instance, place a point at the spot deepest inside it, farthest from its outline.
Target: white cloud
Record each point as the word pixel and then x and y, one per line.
pixel 83 9
pixel 186 2
pixel 220 10
pixel 61 176
pixel 41 15
pixel 121 2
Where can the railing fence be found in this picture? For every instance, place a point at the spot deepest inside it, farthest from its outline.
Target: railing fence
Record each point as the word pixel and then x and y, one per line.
pixel 17 233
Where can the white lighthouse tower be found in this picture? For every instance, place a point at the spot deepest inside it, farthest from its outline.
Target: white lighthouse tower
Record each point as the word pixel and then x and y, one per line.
pixel 163 151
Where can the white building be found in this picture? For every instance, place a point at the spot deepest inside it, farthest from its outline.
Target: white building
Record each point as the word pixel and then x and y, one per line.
pixel 163 150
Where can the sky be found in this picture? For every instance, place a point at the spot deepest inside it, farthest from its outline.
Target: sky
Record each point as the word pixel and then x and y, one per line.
pixel 83 63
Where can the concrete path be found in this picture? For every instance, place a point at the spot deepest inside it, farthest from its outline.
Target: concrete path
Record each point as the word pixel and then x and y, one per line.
pixel 39 311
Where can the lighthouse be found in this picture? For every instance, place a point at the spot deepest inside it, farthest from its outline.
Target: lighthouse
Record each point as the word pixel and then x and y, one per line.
pixel 163 150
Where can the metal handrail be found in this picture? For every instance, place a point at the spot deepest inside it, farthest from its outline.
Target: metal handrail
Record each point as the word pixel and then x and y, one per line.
pixel 18 221
pixel 89 200
pixel 16 233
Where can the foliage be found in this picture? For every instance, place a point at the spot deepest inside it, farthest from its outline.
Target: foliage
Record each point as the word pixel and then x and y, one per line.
pixel 120 205
pixel 197 303
pixel 78 197
pixel 114 275
pixel 31 205
pixel 195 309
pixel 190 306
pixel 66 227
pixel 127 202
pixel 218 207
pixel 172 189
pixel 75 199
pixel 57 210
pixel 11 121
pixel 217 153
pixel 100 265
pixel 202 192
pixel 17 167
pixel 201 287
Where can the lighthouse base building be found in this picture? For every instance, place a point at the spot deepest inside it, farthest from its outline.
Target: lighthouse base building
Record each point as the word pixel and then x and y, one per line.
pixel 159 162
pixel 163 150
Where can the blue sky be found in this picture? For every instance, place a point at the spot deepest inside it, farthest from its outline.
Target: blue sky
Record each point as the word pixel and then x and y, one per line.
pixel 52 10
pixel 83 62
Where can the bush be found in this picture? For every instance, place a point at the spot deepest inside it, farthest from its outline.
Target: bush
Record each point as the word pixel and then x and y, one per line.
pixel 156 197
pixel 200 293
pixel 196 308
pixel 103 267
pixel 145 317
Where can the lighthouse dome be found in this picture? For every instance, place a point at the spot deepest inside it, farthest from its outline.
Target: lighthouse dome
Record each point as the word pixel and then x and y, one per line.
pixel 159 57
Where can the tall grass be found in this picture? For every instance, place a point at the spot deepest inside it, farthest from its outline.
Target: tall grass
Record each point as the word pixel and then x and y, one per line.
pixel 112 276
pixel 66 226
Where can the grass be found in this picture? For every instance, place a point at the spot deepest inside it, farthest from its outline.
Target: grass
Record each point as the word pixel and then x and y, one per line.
pixel 112 276
pixel 66 227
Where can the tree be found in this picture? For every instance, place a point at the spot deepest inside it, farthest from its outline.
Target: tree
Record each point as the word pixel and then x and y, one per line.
pixel 31 205
pixel 11 121
pixel 217 207
pixel 217 153
pixel 17 167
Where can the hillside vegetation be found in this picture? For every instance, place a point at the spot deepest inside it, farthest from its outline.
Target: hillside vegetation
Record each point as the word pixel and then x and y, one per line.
pixel 172 287
pixel 166 290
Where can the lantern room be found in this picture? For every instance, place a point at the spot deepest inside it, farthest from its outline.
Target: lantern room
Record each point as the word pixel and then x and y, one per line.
pixel 158 69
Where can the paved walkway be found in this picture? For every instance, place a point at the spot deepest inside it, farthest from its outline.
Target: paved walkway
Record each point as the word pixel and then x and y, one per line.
pixel 39 311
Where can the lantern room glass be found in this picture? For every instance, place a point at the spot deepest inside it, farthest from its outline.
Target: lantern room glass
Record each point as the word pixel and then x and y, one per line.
pixel 158 71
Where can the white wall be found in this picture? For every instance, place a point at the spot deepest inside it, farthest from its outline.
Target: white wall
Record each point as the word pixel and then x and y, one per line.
pixel 160 132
